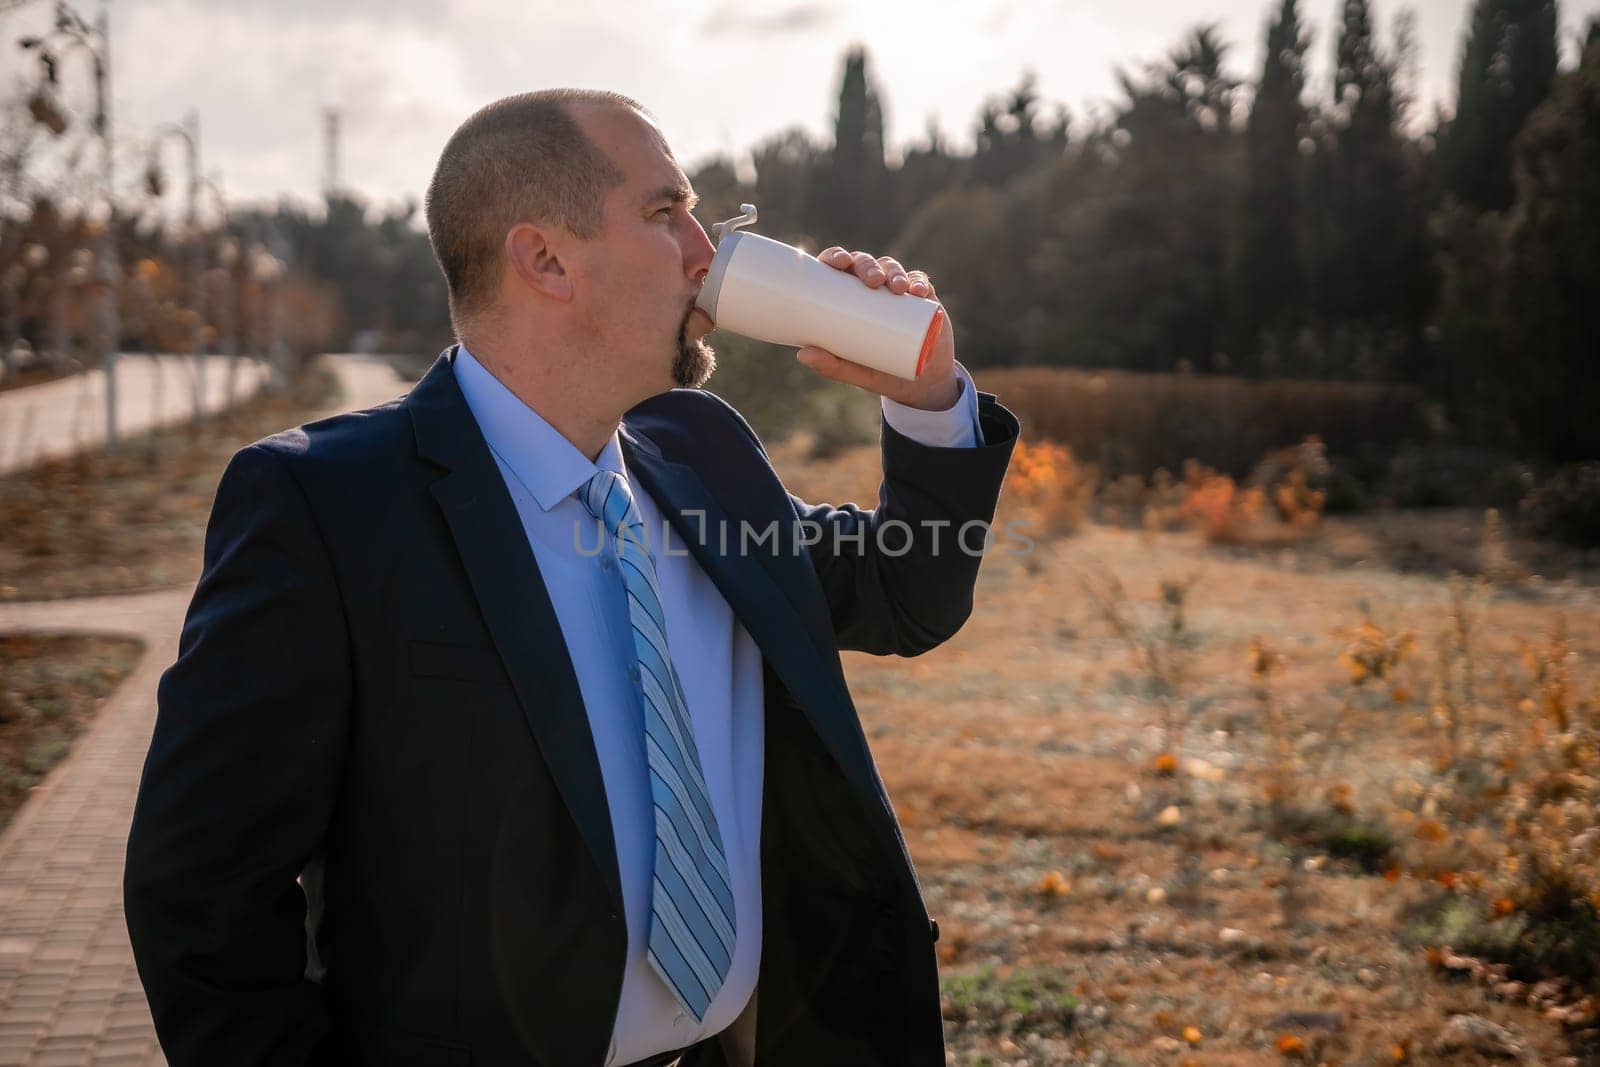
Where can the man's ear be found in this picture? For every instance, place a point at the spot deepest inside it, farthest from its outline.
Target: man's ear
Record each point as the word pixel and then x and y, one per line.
pixel 535 261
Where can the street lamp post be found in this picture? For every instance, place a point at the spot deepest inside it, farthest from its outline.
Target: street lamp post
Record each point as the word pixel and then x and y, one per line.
pixel 189 133
pixel 227 300
pixel 267 271
pixel 227 256
pixel 73 32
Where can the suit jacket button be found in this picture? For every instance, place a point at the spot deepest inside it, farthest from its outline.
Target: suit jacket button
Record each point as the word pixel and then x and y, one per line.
pixel 933 928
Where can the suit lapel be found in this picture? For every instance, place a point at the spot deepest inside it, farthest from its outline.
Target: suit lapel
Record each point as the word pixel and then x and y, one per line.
pixel 516 605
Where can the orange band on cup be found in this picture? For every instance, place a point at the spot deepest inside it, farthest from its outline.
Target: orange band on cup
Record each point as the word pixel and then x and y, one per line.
pixel 934 328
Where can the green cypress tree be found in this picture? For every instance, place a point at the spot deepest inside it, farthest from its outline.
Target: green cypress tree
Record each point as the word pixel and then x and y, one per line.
pixel 1268 289
pixel 1158 252
pixel 1365 227
pixel 854 207
pixel 1508 63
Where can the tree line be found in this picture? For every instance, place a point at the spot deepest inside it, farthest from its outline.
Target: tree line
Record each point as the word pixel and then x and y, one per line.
pixel 1213 226
pixel 1205 224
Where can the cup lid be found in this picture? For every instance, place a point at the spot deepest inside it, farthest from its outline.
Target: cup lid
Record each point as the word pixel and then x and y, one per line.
pixel 707 300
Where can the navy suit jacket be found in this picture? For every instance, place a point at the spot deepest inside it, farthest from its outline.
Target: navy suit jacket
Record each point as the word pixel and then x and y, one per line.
pixel 372 826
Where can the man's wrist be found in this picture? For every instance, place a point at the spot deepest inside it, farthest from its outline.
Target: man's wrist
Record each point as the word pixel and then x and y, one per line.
pixel 955 426
pixel 943 396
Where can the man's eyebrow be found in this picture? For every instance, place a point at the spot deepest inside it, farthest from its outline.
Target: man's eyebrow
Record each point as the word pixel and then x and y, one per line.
pixel 678 194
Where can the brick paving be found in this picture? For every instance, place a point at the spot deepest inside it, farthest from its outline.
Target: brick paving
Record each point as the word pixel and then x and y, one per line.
pixel 69 993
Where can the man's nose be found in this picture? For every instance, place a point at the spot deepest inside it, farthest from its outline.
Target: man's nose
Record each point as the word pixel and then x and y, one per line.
pixel 698 255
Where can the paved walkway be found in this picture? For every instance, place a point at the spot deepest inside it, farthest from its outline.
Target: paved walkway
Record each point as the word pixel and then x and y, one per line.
pixel 65 416
pixel 69 993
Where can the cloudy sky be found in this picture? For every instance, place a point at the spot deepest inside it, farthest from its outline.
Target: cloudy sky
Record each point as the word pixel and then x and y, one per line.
pixel 719 74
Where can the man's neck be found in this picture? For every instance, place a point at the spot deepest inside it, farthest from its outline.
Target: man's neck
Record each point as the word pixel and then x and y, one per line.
pixel 562 390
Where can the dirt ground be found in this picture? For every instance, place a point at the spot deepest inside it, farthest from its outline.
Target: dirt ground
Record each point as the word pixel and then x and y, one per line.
pixel 1080 925
pixel 98 524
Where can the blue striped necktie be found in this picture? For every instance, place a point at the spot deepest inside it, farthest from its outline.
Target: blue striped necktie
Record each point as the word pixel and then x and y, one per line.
pixel 691 900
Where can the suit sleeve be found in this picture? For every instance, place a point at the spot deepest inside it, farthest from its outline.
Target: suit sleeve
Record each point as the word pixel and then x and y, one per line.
pixel 239 784
pixel 898 580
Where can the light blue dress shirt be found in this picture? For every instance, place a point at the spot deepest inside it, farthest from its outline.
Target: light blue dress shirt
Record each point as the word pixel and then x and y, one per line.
pixel 716 659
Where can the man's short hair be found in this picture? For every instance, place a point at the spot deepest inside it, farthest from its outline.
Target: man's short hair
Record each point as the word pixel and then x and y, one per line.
pixel 523 158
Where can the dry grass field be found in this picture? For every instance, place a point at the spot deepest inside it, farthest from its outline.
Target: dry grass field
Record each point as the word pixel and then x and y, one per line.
pixel 1168 824
pixel 1138 421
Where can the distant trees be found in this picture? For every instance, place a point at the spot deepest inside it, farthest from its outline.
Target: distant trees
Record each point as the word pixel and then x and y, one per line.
pixel 1208 226
pixel 1516 237
pixel 1200 224
pixel 382 268
pixel 1267 290
pixel 1507 67
pixel 1010 138
pixel 1178 164
pixel 854 196
pixel 1364 213
pixel 789 169
pixel 1547 312
pixel 1203 224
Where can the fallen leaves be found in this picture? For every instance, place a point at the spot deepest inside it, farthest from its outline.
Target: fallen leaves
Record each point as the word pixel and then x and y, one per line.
pixel 1432 831
pixel 1053 885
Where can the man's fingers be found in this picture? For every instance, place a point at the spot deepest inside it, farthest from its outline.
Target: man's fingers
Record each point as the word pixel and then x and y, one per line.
pixel 877 271
pixel 898 281
pixel 866 268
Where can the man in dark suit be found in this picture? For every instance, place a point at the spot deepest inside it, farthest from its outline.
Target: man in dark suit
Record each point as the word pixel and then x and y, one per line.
pixel 433 783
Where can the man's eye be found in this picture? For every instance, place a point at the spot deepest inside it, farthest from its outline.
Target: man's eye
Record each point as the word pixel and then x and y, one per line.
pixel 665 210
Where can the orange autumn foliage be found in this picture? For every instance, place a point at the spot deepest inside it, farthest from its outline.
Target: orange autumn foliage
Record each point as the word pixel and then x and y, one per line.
pixel 1051 488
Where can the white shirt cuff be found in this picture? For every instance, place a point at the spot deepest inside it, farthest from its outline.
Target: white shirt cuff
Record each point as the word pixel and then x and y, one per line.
pixel 954 427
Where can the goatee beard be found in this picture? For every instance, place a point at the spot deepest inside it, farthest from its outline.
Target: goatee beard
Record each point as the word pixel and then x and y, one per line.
pixel 695 361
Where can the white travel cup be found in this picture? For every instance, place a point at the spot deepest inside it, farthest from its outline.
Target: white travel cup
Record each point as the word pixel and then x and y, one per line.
pixel 774 292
